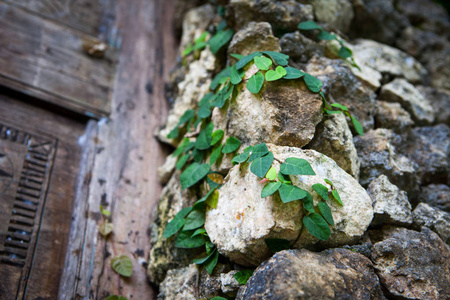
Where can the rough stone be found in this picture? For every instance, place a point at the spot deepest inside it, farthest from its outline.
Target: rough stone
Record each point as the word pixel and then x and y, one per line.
pixel 390 204
pixel 300 48
pixel 254 37
pixel 433 218
pixel 166 170
pixel 285 113
pixel 181 7
pixel 368 76
pixel 387 60
pixel 377 155
pixel 437 60
pixel 180 283
pixel 301 274
pixel 334 139
pixel 436 195
pixel 391 115
pixel 410 98
pixel 411 264
pixel 417 42
pixel 229 284
pixel 281 14
pixel 439 100
pixel 336 13
pixel 163 254
pixel 341 86
pixel 210 284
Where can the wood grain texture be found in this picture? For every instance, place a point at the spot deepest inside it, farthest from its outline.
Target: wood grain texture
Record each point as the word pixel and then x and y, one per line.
pixel 49 61
pixel 124 174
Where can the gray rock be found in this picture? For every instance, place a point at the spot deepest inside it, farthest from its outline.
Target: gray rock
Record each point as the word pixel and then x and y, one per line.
pixel 300 48
pixel 390 204
pixel 166 170
pixel 377 155
pixel 336 13
pixel 181 7
pixel 281 14
pixel 433 218
pixel 436 195
pixel 437 60
pixel 411 264
pixel 410 98
pixel 417 42
pixel 301 274
pixel 391 115
pixel 334 139
pixel 180 283
pixel 210 285
pixel 439 100
pixel 341 86
pixel 229 284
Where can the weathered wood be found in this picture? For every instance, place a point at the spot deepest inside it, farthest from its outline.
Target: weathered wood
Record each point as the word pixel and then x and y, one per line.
pixel 49 61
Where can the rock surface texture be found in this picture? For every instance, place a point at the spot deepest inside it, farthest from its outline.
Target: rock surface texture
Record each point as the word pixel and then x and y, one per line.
pixel 433 218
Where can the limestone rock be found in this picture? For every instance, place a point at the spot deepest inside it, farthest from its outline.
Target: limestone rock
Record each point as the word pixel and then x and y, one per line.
pixel 336 13
pixel 301 274
pixel 412 265
pixel 390 205
pixel 370 77
pixel 180 283
pixel 195 22
pixel 283 112
pixel 300 48
pixel 334 139
pixel 341 86
pixel 229 284
pixel 387 60
pixel 436 195
pixel 377 155
pixel 166 170
pixel 410 98
pixel 391 115
pixel 433 218
pixel 440 101
pixel 281 14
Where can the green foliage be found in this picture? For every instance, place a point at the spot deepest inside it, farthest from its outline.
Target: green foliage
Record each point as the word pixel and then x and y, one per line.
pixel 326 212
pixel 272 75
pixel 255 83
pixel 289 193
pixel 194 220
pixel 276 245
pixel 321 190
pixel 176 223
pixel 271 174
pixel 243 276
pixel 186 240
pixel 317 226
pixel 270 188
pixel 293 73
pixel 115 297
pixel 231 145
pixel 122 265
pixel 193 174
pixel 313 84
pixel 261 165
pixel 263 63
pixel 235 77
pixel 296 166
pixel 204 139
pixel 219 40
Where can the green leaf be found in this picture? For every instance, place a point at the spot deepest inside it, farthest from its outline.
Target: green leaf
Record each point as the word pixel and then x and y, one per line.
pixel 231 145
pixel 358 127
pixel 313 84
pixel 194 220
pixel 271 174
pixel 204 112
pixel 198 155
pixel 201 38
pixel 219 298
pixel 282 178
pixel 225 73
pixel 187 50
pixel 258 150
pixel 246 59
pixel 215 154
pixel 187 116
pixel 184 240
pixel 216 136
pixel 255 83
pixel 280 58
pixel 263 63
pixel 289 192
pixel 308 203
pixel 204 139
pixel 223 96
pixel 234 76
pixel 115 297
pixel 104 211
pixel 182 161
pixel 211 263
pixel 296 166
pixel 270 188
pixel 237 56
pixel 328 181
pixel 199 204
pixel 173 133
pixel 199 45
pixel 271 75
pixel 276 245
pixel 321 190
pixel 331 112
pixel 280 70
pixel 122 265
pixel 325 35
pixel 213 199
pixel 308 25
pixel 293 73
pixel 344 52
pixel 200 261
pixel 200 231
pixel 261 165
pixel 219 40
pixel 242 157
pixel 243 276
pixel 181 147
pixel 105 228
pixel 340 106
pixel 317 226
pixel 336 196
pixel 176 223
pixel 193 174
pixel 326 212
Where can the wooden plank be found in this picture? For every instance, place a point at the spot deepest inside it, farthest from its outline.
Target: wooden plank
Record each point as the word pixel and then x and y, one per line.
pixel 124 176
pixel 49 61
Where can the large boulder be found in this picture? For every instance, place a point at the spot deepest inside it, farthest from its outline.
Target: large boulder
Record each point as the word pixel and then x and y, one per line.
pixel 411 264
pixel 243 220
pixel 433 218
pixel 301 274
pixel 436 195
pixel 335 13
pixel 391 115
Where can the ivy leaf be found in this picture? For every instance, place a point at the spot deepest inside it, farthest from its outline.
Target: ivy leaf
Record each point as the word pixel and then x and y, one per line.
pixel 115 297
pixel 187 116
pixel 199 204
pixel 340 106
pixel 293 73
pixel 234 76
pixel 270 188
pixel 289 192
pixel 308 25
pixel 317 226
pixel 200 261
pixel 204 111
pixel 186 241
pixel 201 38
pixel 271 174
pixel 211 263
pixel 105 228
pixel 246 59
pixel 215 154
pixel 198 155
pixel 280 70
pixel 231 145
pixel 181 147
pixel 223 96
pixel 325 35
pixel 276 245
pixel 237 56
pixel 222 75
pixel 216 136
pixel 321 190
pixel 308 203
pixel 220 39
pixel 182 161
pixel 296 166
pixel 258 150
pixel 204 139
pixel 219 298
pixel 326 212
pixel 242 157
pixel 194 220
pixel 122 265
pixel 193 174
pixel 358 126
pixel 336 196
pixel 272 75
pixel 282 178
pixel 187 50
pixel 173 133
pixel 263 63
pixel 345 52
pixel 261 165
pixel 176 223
pixel 200 231
pixel 243 276
pixel 255 83
pixel 313 84
pixel 328 181
pixel 280 58
pixel 213 199
pixel 199 45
